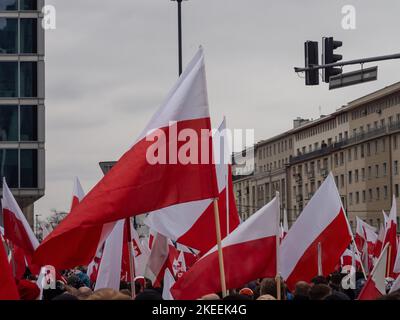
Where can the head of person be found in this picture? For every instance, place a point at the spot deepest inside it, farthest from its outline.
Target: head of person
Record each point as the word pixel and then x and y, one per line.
pixel 211 296
pixel 149 294
pixel 320 291
pixel 269 286
pixel 84 293
pixel 337 295
pixel 237 297
pixel 266 297
pixel 247 292
pixel 75 281
pixel 108 294
pixel 301 290
pixel 319 280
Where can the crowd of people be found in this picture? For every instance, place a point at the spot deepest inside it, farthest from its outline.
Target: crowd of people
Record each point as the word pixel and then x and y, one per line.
pixel 76 285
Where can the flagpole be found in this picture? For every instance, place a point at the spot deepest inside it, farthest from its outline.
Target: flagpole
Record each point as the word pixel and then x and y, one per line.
pixel 388 260
pixel 220 255
pixel 320 273
pixel 277 241
pixel 226 153
pixel 131 258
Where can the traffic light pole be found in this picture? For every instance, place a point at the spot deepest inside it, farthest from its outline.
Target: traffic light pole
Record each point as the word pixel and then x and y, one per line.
pixel 350 62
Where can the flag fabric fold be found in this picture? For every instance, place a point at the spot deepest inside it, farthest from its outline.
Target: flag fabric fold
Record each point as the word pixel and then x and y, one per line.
pixel 147 177
pixel 8 287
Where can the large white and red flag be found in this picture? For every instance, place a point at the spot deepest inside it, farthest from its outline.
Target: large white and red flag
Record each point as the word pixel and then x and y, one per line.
pixel 249 253
pixel 16 228
pixel 391 239
pixel 77 193
pixel 375 286
pixel 175 148
pixel 323 221
pixel 8 286
pixel 192 229
pixel 284 225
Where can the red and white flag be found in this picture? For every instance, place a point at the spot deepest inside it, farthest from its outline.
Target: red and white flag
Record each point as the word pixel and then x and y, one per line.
pixel 379 241
pixel 8 286
pixel 109 273
pixel 192 229
pixel 375 286
pixel 347 259
pixel 365 233
pixel 323 222
pixel 391 239
pixel 16 227
pixel 284 225
pixel 157 261
pixel 77 193
pixel 249 253
pixel 148 177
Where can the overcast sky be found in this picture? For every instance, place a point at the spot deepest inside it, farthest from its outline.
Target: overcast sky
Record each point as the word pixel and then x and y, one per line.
pixel 109 65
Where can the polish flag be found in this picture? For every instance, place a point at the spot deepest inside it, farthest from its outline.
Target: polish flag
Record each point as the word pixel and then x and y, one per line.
pixel 375 286
pixel 285 225
pixel 347 259
pixel 379 242
pixel 191 229
pixel 322 221
pixel 148 177
pixel 16 228
pixel 249 253
pixel 109 273
pixel 77 194
pixel 365 232
pixel 391 238
pixel 157 260
pixel 8 287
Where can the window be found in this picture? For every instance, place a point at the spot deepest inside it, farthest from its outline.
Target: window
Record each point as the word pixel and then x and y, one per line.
pixel 349 155
pixel 8 5
pixel 9 166
pixel 377 170
pixel 350 198
pixel 378 193
pixel 29 168
pixel 10 130
pixel 28 4
pixel 370 194
pixel 8 79
pixel 396 190
pixel 356 175
pixel 28 36
pixel 385 192
pixel 363 196
pixel 342 180
pixel 8 123
pixel 384 169
pixel 28 79
pixel 350 177
pixel 369 172
pixel 396 167
pixel 357 197
pixel 363 174
pixel 8 35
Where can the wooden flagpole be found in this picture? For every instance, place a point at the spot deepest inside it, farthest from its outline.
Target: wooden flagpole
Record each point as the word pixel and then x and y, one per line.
pixel 220 255
pixel 388 260
pixel 320 273
pixel 131 258
pixel 278 276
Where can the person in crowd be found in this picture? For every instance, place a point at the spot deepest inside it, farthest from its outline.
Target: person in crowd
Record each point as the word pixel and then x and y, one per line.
pixel 247 292
pixel 319 280
pixel 149 294
pixel 211 296
pixel 266 297
pixel 268 286
pixel 319 291
pixel 108 294
pixel 302 291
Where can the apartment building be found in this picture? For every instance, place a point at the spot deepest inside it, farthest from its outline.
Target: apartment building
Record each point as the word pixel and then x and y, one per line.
pixel 359 143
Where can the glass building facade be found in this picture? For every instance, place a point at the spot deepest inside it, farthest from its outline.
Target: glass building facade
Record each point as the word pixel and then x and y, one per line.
pixel 22 97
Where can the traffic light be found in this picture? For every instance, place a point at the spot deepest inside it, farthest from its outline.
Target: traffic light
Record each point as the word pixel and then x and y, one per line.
pixel 311 59
pixel 328 57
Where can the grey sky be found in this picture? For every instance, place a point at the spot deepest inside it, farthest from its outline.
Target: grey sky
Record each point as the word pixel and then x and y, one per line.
pixel 110 63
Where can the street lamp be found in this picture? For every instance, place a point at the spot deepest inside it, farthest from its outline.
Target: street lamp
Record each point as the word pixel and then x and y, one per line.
pixel 179 2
